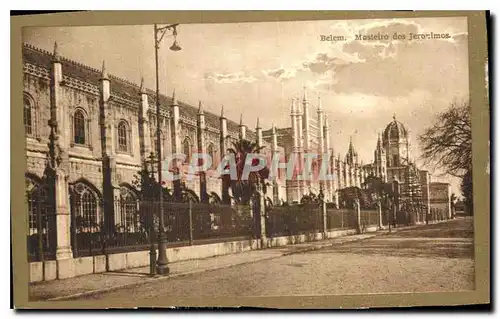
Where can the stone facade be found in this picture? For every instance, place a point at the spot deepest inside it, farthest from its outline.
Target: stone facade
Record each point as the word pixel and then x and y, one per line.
pixel 95 131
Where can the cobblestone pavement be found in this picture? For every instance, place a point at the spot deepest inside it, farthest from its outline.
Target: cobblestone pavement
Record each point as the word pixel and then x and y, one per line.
pixel 432 258
pixel 92 283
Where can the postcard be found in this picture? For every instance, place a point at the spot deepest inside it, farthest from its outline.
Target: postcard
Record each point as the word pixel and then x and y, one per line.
pixel 298 160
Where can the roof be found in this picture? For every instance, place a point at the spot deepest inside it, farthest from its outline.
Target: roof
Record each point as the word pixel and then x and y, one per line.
pixel 395 129
pixel 120 87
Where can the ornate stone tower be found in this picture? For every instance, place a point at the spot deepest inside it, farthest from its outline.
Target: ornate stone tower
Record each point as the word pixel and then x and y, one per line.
pixel 397 150
pixel 396 144
pixel 380 160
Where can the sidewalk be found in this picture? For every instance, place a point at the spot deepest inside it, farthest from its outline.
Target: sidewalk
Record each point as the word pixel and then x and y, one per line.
pixel 97 283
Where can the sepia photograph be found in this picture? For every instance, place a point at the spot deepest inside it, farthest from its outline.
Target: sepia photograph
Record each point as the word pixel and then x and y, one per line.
pixel 248 159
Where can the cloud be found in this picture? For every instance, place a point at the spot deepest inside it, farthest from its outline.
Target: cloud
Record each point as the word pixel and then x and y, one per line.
pixel 281 73
pixel 230 77
pixel 393 68
pixel 327 61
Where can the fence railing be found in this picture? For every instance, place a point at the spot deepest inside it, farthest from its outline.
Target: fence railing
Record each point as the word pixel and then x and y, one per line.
pixel 135 225
pixel 369 218
pixel 293 220
pixel 41 232
pixel 340 218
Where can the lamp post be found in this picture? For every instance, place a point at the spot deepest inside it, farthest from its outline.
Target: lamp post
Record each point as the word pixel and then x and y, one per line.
pixel 162 262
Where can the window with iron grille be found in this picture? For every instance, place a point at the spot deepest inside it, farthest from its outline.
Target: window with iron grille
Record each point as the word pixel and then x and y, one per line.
pixel 123 139
pixel 79 127
pixel 211 153
pixel 28 116
pixel 186 148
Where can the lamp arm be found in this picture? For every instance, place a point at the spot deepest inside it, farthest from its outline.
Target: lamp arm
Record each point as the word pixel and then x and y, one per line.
pixel 163 30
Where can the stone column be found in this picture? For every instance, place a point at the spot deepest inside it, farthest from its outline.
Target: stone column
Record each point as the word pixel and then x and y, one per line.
pixel 175 125
pixel 258 131
pixel 202 149
pixel 63 218
pixel 262 214
pixel 300 148
pixel 274 152
pixel 321 140
pixel 379 207
pixel 295 152
pixel 323 215
pixel 108 131
pixel 144 128
pixel 60 138
pixel 330 186
pixel 222 146
pixel 307 136
pixel 243 129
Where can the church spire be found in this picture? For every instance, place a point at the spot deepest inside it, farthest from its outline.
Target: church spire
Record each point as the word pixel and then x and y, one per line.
pixel 222 111
pixel 293 110
pixel 258 124
pixel 55 56
pixel 241 119
pixel 305 94
pixel 142 89
pixel 320 107
pixel 200 108
pixel 104 72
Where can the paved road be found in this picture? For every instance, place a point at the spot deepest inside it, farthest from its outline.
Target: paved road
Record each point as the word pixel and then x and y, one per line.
pixel 434 258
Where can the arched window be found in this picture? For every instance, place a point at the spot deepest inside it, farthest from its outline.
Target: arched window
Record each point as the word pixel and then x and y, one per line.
pixel 79 127
pixel 85 207
pixel 28 116
pixel 123 139
pixel 395 160
pixel 128 213
pixel 186 149
pixel 212 154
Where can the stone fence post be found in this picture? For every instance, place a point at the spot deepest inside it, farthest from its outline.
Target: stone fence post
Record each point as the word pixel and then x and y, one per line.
pixel 357 207
pixel 323 214
pixel 379 207
pixel 262 214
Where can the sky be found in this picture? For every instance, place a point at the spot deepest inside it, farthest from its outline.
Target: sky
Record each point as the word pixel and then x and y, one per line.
pixel 255 69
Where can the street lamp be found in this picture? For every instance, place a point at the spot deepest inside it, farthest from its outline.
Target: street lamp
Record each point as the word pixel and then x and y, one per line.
pixel 162 262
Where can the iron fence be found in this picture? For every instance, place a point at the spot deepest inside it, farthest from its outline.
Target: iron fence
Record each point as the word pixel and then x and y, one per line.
pixel 135 224
pixel 369 218
pixel 340 218
pixel 41 232
pixel 293 220
pixel 88 232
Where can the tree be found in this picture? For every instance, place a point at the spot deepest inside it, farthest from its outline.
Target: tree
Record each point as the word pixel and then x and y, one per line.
pixel 448 142
pixel 243 189
pixel 150 189
pixel 466 188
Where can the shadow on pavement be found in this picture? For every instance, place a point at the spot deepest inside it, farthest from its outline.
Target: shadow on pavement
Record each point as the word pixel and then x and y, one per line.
pixel 450 240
